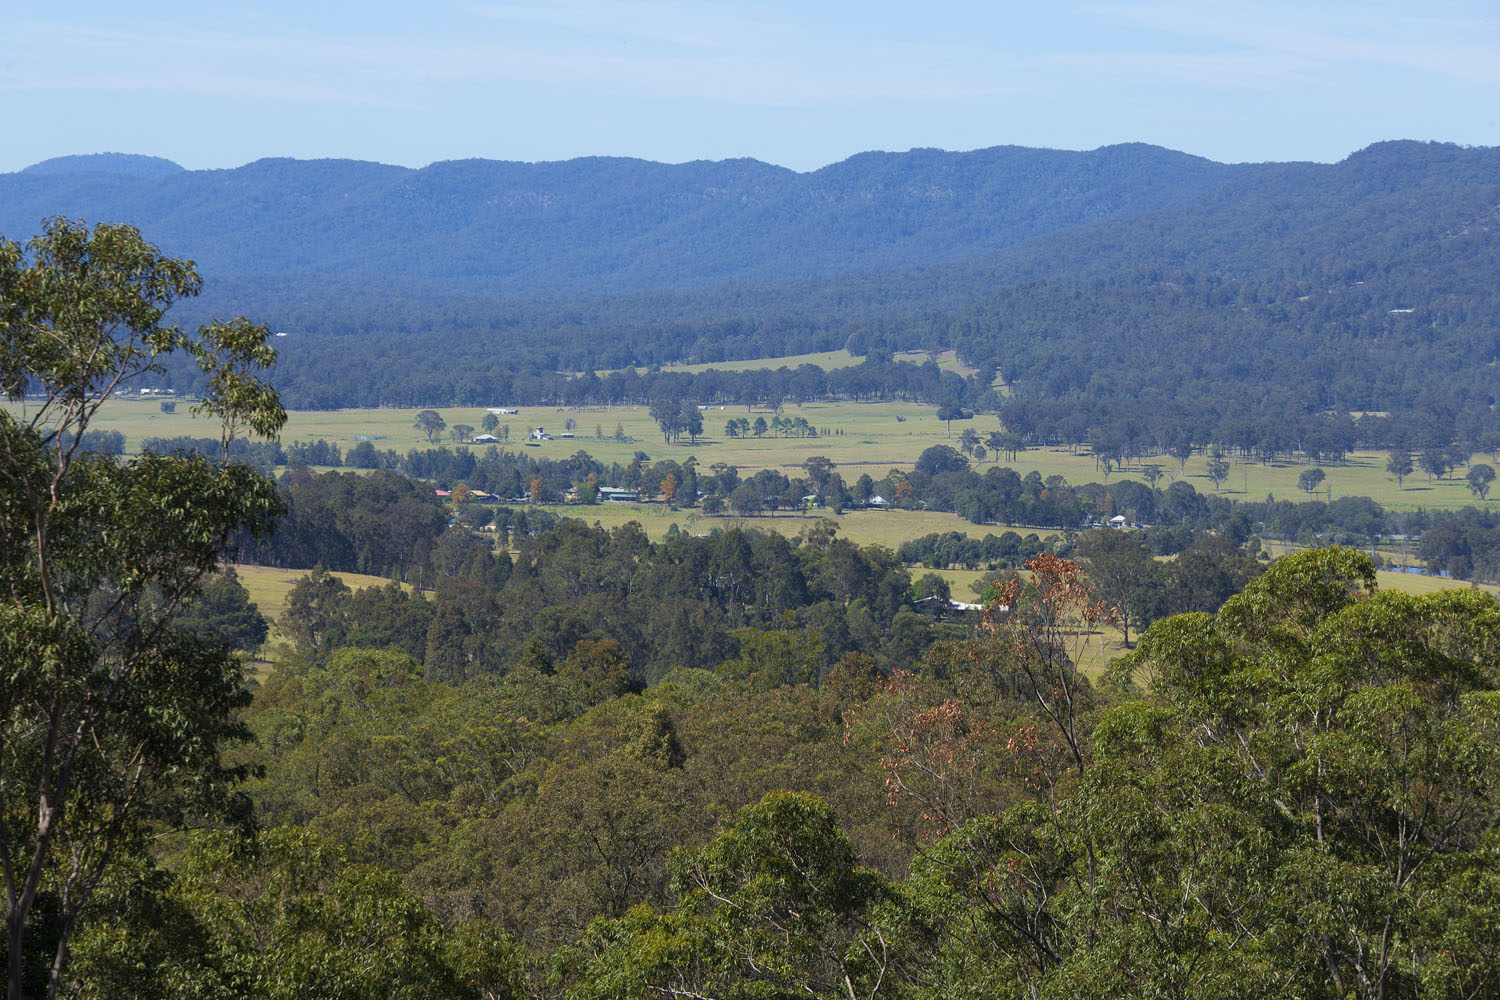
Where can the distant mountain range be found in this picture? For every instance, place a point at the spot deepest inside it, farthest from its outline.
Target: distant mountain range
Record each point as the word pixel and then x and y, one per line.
pixel 1367 284
pixel 593 226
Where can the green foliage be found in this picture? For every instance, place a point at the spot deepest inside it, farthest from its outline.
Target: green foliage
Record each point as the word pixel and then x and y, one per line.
pixel 222 613
pixel 775 906
pixel 1352 747
pixel 115 713
pixel 774 657
pixel 1480 477
pixel 289 917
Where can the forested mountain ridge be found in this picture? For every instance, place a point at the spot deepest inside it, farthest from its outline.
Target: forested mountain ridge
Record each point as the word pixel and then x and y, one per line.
pixel 1132 286
pixel 601 224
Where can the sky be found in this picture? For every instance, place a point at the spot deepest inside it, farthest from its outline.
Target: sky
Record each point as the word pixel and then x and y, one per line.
pixel 799 83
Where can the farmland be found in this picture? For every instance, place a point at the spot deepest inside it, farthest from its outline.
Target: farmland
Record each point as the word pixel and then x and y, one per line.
pixel 859 437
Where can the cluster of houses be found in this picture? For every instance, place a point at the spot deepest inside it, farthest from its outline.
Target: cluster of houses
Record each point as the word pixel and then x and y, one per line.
pixel 536 434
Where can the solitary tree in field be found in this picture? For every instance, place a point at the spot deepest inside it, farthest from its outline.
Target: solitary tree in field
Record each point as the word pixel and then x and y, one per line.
pixel 489 423
pixel 1480 477
pixel 692 421
pixel 431 423
pixel 1310 479
pixel 950 412
pixel 1398 463
pixel 1218 470
pixel 1152 474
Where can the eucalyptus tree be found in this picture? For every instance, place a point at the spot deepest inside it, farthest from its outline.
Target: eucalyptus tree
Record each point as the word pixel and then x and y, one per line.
pixel 111 715
pixel 1479 478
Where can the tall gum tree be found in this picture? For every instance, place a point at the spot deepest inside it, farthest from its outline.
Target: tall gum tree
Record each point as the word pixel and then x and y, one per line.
pixel 111 716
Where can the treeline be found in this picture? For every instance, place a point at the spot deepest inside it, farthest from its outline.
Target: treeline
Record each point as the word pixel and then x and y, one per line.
pixel 1130 431
pixel 263 456
pixel 383 523
pixel 387 523
pixel 787 609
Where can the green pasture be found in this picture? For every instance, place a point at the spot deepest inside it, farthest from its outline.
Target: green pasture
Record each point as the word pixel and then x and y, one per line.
pixel 1416 583
pixel 858 437
pixel 867 437
pixel 960 581
pixel 1362 475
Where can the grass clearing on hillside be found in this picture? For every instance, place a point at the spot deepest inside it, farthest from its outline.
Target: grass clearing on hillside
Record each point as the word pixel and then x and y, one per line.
pixel 865 527
pixel 946 361
pixel 269 586
pixel 827 360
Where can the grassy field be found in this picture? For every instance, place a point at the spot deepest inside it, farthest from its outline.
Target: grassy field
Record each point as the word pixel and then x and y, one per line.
pixel 960 581
pixel 858 437
pixel 947 361
pixel 866 527
pixel 269 586
pixel 1416 583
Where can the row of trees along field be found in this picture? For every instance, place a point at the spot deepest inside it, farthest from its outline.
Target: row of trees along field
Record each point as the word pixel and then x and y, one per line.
pixel 389 523
pixel 1292 796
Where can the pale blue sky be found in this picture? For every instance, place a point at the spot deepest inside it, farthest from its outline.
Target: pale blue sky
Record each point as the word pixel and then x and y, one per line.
pixel 800 84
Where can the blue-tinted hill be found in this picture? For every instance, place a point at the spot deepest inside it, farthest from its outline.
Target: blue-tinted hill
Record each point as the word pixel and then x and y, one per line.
pixel 604 225
pixel 119 164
